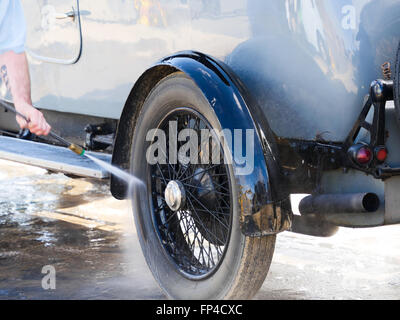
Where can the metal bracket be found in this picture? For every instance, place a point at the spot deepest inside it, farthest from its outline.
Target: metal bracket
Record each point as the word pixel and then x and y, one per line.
pixel 380 92
pixel 325 155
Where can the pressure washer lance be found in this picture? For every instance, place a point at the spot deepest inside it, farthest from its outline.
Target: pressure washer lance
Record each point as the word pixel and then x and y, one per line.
pixel 71 146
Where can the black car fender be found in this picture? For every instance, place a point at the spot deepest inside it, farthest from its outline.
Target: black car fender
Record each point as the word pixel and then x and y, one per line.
pixel 264 204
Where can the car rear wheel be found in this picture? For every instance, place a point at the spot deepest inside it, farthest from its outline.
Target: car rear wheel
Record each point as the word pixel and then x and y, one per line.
pixel 188 218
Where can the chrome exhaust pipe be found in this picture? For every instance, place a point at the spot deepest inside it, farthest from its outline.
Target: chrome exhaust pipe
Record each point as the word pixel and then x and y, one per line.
pixel 339 203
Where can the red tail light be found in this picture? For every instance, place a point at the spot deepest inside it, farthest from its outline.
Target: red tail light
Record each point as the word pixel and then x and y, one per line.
pixel 364 155
pixel 381 154
pixel 360 154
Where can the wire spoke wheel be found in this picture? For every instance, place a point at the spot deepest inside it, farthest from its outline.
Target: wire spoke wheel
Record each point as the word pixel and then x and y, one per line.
pixel 188 217
pixel 195 234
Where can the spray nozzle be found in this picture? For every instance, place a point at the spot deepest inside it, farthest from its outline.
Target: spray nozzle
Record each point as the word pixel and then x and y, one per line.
pixel 77 149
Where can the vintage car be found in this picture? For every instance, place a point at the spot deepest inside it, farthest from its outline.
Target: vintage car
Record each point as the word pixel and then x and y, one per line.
pixel 316 82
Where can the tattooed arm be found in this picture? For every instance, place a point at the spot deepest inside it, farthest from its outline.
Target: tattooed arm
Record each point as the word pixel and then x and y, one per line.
pixel 16 73
pixel 14 66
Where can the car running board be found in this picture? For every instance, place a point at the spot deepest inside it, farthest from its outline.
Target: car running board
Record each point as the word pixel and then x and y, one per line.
pixel 52 157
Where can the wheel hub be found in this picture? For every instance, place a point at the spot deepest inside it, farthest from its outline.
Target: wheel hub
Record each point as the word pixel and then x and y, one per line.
pixel 175 195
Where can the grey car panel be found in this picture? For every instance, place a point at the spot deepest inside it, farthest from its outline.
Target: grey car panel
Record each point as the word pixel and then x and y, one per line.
pixel 308 63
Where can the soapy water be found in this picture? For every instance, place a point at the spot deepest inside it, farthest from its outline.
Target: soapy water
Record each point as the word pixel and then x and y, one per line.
pixel 131 180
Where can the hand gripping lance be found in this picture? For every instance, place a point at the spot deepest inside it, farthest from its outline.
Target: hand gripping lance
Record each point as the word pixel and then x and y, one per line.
pixel 73 147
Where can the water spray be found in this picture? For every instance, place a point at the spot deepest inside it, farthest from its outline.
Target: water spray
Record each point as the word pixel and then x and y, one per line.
pixel 71 146
pixel 128 178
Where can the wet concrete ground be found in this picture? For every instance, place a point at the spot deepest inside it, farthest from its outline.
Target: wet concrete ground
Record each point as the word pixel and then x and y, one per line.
pixel 89 238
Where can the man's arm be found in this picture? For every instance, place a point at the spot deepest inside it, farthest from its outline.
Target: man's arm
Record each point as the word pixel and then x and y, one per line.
pixel 15 67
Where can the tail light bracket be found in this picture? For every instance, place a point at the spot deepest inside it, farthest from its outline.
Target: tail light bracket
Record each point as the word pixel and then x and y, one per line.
pixel 318 156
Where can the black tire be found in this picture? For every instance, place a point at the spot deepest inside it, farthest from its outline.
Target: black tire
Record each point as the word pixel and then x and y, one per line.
pixel 243 265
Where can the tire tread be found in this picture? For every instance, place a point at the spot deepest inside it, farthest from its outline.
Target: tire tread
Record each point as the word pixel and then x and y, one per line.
pixel 255 263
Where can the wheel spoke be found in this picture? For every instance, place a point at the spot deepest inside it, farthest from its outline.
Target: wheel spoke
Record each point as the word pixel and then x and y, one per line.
pixel 205 188
pixel 202 172
pixel 195 234
pixel 205 208
pixel 199 221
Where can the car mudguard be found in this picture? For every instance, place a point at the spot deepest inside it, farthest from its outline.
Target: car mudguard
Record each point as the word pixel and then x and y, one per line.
pixel 264 204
